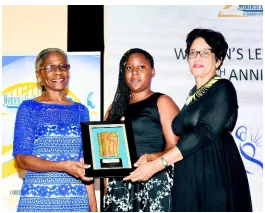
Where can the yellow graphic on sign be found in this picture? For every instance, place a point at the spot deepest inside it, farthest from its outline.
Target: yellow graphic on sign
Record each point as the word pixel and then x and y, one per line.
pixel 15 94
pixel 228 11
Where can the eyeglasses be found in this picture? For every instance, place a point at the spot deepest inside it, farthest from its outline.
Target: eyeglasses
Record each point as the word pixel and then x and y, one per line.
pixel 53 67
pixel 203 53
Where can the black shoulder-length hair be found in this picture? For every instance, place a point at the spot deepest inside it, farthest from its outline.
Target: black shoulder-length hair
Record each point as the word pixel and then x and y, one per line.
pixel 214 39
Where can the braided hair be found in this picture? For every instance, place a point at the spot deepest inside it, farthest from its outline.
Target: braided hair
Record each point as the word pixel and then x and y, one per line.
pixel 123 93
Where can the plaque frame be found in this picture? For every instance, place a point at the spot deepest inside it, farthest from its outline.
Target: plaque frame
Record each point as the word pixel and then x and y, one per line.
pixel 117 163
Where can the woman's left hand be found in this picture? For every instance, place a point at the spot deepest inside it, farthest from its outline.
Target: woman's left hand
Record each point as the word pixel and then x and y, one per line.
pixel 145 171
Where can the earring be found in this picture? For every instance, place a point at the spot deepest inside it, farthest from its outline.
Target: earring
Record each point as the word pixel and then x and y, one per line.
pixel 39 81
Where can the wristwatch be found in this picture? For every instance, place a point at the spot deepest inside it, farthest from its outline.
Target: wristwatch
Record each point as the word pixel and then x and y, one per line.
pixel 164 162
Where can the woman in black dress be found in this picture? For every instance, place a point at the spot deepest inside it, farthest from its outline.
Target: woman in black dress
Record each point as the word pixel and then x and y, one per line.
pixel 151 114
pixel 209 174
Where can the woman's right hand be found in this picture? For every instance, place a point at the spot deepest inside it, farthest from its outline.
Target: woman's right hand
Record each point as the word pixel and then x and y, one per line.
pixel 76 169
pixel 143 159
pixel 145 171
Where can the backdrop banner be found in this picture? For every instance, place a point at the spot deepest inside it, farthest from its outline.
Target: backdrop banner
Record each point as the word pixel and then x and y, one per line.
pixel 162 31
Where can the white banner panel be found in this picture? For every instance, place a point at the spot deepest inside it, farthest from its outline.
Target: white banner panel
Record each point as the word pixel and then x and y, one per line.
pixel 19 83
pixel 162 31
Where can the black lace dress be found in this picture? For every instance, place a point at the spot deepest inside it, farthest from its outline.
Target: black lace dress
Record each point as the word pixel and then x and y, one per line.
pixel 211 177
pixel 153 195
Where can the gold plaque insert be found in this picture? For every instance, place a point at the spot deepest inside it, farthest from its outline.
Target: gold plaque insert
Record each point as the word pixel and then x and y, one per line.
pixel 108 144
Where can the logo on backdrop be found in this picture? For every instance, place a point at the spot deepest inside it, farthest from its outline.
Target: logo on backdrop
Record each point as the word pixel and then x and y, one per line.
pixel 241 11
pixel 89 100
pixel 249 143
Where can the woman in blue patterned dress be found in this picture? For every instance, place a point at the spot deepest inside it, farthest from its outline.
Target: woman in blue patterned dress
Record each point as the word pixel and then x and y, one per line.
pixel 151 114
pixel 48 144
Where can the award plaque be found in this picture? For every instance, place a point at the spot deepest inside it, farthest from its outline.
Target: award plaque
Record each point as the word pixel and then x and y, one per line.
pixel 109 148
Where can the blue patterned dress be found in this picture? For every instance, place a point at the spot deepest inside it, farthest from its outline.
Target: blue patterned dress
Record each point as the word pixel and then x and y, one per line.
pixel 51 132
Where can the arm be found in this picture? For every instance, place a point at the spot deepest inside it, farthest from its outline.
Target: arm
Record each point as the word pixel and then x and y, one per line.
pixel 107 113
pixel 92 197
pixel 90 188
pixel 147 170
pixel 168 110
pixel 35 164
pixel 221 105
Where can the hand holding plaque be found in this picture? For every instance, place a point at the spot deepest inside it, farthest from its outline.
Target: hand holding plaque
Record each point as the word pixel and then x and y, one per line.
pixel 109 148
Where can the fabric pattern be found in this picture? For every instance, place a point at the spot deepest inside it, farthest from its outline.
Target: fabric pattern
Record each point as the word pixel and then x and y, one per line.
pixel 153 195
pixel 51 132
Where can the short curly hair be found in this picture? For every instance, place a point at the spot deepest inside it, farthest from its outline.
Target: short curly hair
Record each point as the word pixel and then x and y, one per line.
pixel 41 57
pixel 214 39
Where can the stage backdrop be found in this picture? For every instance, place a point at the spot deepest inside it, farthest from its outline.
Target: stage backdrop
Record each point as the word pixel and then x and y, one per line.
pixel 18 84
pixel 162 31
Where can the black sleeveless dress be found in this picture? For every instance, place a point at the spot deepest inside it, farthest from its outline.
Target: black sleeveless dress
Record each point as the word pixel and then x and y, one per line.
pixel 211 176
pixel 153 195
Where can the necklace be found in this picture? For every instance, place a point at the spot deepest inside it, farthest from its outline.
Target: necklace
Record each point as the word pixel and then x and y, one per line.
pixel 200 92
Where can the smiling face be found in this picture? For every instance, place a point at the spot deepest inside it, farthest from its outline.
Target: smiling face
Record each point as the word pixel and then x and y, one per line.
pixel 138 73
pixel 55 80
pixel 203 67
